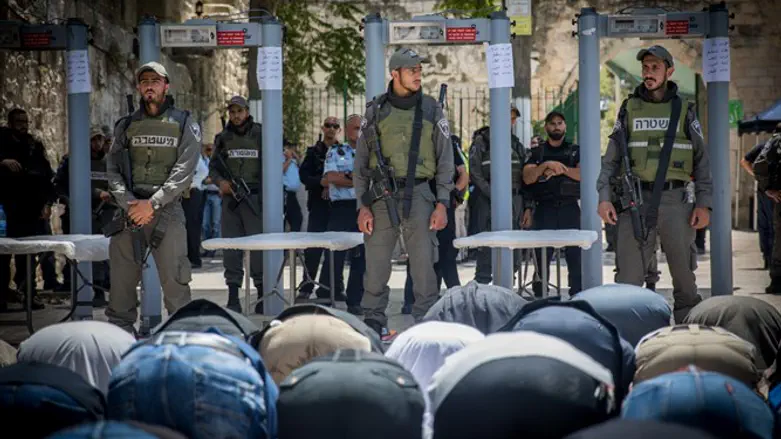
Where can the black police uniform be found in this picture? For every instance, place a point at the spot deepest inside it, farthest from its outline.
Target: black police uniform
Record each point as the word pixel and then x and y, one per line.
pixel 557 206
pixel 311 173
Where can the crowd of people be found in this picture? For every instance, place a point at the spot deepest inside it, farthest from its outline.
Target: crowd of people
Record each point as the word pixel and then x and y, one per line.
pixel 482 363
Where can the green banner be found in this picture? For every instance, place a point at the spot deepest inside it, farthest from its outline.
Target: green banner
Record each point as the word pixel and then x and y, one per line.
pixel 735 112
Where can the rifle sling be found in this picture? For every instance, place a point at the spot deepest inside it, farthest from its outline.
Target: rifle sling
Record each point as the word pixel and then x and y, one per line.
pixel 652 212
pixel 414 152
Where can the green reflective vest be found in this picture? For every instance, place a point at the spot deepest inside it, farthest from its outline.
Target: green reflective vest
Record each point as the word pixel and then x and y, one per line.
pixel 98 175
pixel 396 137
pixel 153 143
pixel 242 154
pixel 646 125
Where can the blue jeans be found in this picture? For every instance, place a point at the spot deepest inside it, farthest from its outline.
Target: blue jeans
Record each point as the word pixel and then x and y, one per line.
pixel 212 214
pixel 102 429
pixel 705 400
pixel 200 391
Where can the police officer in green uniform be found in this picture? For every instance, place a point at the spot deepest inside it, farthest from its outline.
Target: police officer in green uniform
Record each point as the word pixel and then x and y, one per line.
pixel 239 145
pixel 642 122
pixel 480 205
pixel 150 164
pixel 389 119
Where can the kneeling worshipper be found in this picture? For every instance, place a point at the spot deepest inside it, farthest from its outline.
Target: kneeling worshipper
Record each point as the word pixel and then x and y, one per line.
pixel 88 347
pixel 520 385
pixel 423 349
pixel 350 394
pixel 718 404
pixel 634 429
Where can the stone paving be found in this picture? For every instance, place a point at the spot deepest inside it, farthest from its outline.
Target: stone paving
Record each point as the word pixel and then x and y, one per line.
pixel 208 282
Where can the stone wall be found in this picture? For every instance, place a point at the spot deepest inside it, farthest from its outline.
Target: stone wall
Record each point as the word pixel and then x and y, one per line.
pixel 35 81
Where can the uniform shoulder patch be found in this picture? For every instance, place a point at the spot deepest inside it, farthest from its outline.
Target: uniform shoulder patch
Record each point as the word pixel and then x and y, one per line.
pixel 695 126
pixel 196 130
pixel 444 126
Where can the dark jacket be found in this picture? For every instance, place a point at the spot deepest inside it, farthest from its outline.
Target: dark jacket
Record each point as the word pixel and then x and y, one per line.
pixel 32 186
pixel 311 172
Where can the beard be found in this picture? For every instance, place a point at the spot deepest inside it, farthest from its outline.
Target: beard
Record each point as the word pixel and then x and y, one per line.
pixel 658 85
pixel 556 135
pixel 154 98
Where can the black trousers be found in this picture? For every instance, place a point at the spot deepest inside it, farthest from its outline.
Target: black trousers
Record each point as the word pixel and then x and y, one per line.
pixel 559 216
pixel 21 224
pixel 344 218
pixel 319 212
pixel 293 216
pixel 193 218
pixel 446 268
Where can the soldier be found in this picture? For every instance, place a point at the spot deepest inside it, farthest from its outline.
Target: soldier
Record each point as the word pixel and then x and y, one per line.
pixel 480 206
pixel 150 164
pixel 238 147
pixel 403 123
pixel 643 122
pixel 766 172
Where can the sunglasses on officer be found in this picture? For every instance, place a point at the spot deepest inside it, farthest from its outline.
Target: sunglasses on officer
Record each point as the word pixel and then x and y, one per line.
pixel 334 126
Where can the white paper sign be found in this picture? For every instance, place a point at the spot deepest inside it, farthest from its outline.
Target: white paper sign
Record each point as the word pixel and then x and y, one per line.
pixel 269 68
pixel 499 58
pixel 518 7
pixel 716 60
pixel 78 72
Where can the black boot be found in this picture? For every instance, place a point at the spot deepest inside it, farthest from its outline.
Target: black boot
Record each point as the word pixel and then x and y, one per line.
pixel 99 299
pixel 233 299
pixel 775 286
pixel 650 286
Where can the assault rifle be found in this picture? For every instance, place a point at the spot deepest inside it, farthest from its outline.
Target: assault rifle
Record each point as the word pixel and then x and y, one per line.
pixel 239 188
pixel 629 192
pixel 383 182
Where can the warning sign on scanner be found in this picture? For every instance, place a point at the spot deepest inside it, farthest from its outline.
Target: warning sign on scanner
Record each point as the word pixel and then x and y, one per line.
pixel 461 34
pixel 677 27
pixel 36 39
pixel 230 38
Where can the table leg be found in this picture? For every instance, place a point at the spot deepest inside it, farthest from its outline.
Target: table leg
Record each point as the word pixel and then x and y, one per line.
pixel 29 299
pixel 292 257
pixel 247 283
pixel 558 271
pixel 544 264
pixel 331 271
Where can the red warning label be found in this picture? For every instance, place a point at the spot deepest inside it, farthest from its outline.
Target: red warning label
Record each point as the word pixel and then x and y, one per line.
pixel 676 27
pixel 230 38
pixel 461 34
pixel 38 39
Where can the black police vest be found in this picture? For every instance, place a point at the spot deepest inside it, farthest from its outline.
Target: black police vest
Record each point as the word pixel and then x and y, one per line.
pixel 560 187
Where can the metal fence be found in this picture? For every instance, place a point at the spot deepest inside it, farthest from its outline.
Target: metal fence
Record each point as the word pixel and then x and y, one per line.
pixel 467 110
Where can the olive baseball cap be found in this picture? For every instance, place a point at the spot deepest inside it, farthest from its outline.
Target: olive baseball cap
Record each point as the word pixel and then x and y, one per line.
pixel 238 100
pixel 152 67
pixel 405 58
pixel 657 51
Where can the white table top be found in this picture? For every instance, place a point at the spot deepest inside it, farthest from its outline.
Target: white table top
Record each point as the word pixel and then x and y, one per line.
pixel 74 247
pixel 336 241
pixel 517 239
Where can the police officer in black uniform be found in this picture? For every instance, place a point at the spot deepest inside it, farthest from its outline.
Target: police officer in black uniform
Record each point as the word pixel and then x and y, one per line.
pixel 318 201
pixel 552 178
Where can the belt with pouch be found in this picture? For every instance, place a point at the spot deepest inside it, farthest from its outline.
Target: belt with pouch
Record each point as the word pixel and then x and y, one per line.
pixel 667 186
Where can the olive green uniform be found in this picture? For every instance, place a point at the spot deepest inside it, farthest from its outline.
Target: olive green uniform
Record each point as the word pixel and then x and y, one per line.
pixel 644 124
pixel 394 125
pixel 164 151
pixel 241 152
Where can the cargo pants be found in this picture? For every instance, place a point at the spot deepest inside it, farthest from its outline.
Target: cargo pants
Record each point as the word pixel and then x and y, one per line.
pixel 676 236
pixel 422 247
pixel 239 220
pixel 172 265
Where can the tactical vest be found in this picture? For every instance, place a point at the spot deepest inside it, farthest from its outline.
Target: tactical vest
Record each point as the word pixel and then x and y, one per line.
pixel 396 139
pixel 646 126
pixel 153 143
pixel 98 174
pixel 559 187
pixel 516 163
pixel 242 153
